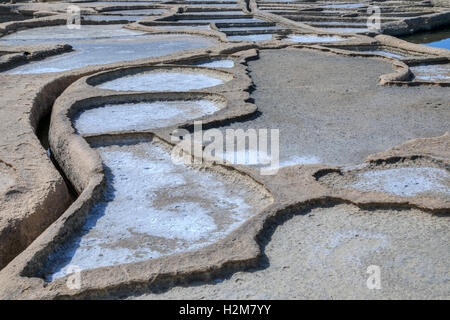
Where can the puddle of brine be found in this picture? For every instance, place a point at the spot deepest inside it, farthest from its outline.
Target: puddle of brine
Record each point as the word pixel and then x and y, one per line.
pixel 154 207
pixel 141 116
pixel 163 81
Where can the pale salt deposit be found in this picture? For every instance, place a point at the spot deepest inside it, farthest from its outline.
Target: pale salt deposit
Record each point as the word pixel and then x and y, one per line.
pixel 153 207
pixel 405 181
pixel 163 81
pixel 141 116
pixel 217 64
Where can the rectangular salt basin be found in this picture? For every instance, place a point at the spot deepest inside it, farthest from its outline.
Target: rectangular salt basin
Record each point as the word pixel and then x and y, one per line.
pixel 154 207
pixel 212 5
pixel 312 38
pixel 251 37
pixel 206 1
pixel 62 34
pixel 237 12
pixel 386 53
pixel 199 27
pixel 114 3
pixel 432 72
pixel 248 28
pixel 337 23
pixel 108 51
pixel 139 11
pixel 163 81
pixel 344 6
pixel 347 29
pixel 95 17
pixel 141 116
pixel 224 63
pixel 234 20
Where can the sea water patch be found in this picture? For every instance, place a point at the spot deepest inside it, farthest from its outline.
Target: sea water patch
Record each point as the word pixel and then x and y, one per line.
pixel 175 209
pixel 142 115
pixel 431 72
pixel 437 38
pixel 180 80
